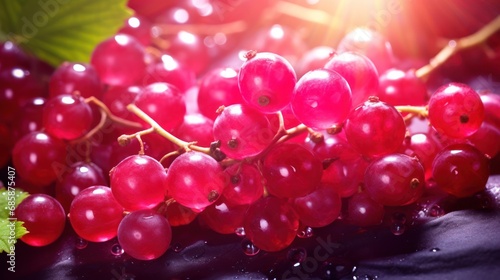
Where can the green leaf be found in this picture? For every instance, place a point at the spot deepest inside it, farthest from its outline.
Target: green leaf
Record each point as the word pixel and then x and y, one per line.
pixel 10 228
pixel 61 30
pixel 7 198
pixel 10 231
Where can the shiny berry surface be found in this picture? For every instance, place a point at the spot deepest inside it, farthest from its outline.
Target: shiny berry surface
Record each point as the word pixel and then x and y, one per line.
pixel 195 180
pixel 364 211
pixel 319 208
pixel 223 217
pixel 118 97
pixel 395 180
pixel 271 224
pixel 169 70
pixel 114 57
pixel 218 87
pixel 43 217
pixel 266 81
pixel 38 158
pixel 322 99
pixel 243 131
pixel 460 170
pixel 60 113
pixel 456 110
pixel 196 128
pixel 398 87
pixel 158 98
pixel 144 234
pixel 245 184
pixel 30 118
pixel 70 78
pixel 77 177
pixel 95 214
pixel 377 123
pixel 291 170
pixel 138 182
pixel 359 72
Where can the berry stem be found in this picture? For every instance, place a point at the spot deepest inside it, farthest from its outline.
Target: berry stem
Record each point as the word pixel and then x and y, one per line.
pixel 415 110
pixel 158 129
pixel 174 153
pixel 93 131
pixel 303 13
pixel 454 46
pixel 105 115
pixel 124 139
pixel 292 132
pixel 110 115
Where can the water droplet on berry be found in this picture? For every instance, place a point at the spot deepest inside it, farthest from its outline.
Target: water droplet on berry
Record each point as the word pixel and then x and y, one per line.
pixel 117 250
pixel 249 248
pixel 305 233
pixel 435 211
pixel 434 250
pixel 81 243
pixel 240 231
pixel 398 229
pixel 297 255
pixel 337 270
pixel 365 277
pixel 177 247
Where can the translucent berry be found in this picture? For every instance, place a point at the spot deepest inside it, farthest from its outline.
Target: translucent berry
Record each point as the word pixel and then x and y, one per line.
pixel 266 81
pixel 456 110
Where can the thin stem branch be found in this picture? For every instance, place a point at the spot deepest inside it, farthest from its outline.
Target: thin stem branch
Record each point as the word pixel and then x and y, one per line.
pixel 158 129
pixel 415 110
pixel 141 151
pixel 303 13
pixel 292 132
pixel 93 131
pixel 458 45
pixel 124 139
pixel 165 157
pixel 110 115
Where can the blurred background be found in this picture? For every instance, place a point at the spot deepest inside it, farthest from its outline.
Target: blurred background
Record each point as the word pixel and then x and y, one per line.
pixel 415 30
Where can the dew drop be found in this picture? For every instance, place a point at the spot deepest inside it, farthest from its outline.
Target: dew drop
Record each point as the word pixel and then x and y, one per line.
pixel 177 247
pixel 435 211
pixel 297 255
pixel 81 243
pixel 365 277
pixel 305 232
pixel 398 229
pixel 249 248
pixel 337 269
pixel 434 250
pixel 117 250
pixel 240 231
